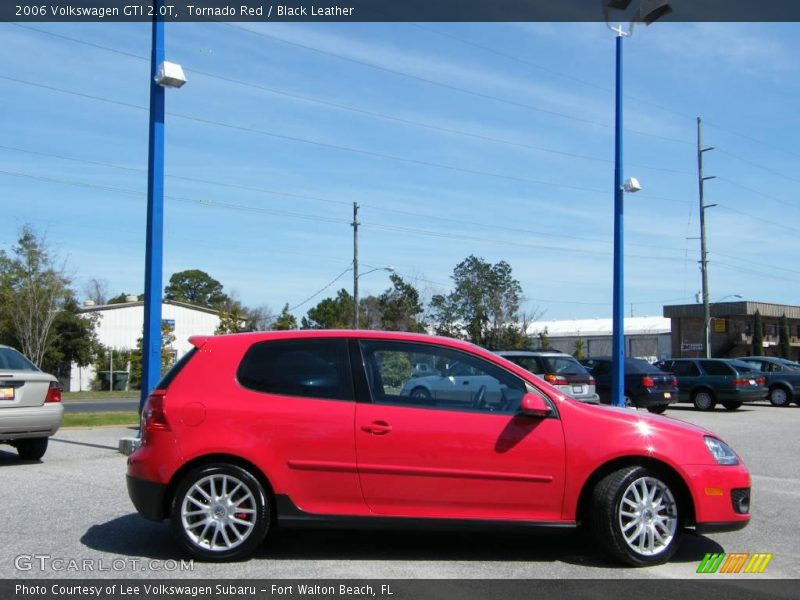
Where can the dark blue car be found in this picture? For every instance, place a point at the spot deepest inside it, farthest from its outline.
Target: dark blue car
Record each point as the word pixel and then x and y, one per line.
pixel 646 386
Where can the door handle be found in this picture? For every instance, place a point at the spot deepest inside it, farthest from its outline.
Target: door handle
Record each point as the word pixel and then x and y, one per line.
pixel 377 428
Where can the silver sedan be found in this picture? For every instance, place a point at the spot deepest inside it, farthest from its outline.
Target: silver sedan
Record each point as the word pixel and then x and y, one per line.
pixel 30 405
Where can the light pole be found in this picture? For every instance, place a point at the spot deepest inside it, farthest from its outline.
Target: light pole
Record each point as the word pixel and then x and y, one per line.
pixel 356 277
pixel 707 318
pixel 649 11
pixel 163 74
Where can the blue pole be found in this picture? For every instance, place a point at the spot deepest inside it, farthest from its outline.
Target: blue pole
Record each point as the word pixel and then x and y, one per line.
pixel 151 344
pixel 618 336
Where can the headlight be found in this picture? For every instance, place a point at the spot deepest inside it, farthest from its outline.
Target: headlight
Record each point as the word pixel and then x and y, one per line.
pixel 721 452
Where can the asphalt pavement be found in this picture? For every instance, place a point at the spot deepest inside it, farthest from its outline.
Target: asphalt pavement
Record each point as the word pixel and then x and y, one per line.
pixel 74 505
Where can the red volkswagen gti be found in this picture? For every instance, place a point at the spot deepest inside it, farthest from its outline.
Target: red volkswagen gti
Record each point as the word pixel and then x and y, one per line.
pixel 253 431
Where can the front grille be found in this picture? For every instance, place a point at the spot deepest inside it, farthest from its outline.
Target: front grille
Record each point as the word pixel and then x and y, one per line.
pixel 740 498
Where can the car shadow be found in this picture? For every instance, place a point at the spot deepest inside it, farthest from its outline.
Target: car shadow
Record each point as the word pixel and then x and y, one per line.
pixel 10 458
pixel 132 535
pixel 717 409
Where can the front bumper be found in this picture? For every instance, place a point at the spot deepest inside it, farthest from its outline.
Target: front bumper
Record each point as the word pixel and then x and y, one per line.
pixel 30 421
pixel 715 489
pixel 147 497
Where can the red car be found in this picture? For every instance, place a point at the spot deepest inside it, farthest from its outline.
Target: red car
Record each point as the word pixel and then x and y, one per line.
pixel 251 431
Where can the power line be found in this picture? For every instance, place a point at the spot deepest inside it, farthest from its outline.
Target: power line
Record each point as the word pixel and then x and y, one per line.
pixel 367 112
pixel 326 145
pixel 447 85
pixel 317 293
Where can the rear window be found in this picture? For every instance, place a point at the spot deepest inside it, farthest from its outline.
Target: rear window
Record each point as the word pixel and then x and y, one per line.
pixel 685 369
pixel 564 365
pixel 716 368
pixel 11 360
pixel 303 368
pixel 175 369
pixel 639 365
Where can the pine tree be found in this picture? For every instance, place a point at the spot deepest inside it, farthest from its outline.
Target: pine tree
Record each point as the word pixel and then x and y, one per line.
pixel 758 335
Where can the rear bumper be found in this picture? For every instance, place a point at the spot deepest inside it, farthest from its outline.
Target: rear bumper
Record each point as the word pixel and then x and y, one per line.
pixel 147 497
pixel 655 398
pixel 743 395
pixel 30 421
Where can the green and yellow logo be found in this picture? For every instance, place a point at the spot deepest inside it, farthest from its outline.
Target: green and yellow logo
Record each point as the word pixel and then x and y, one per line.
pixel 737 562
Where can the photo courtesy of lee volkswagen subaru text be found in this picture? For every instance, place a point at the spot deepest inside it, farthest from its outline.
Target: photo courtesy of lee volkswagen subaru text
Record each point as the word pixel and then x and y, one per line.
pixel 249 432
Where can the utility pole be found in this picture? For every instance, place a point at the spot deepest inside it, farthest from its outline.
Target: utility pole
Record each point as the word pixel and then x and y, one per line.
pixel 703 251
pixel 355 225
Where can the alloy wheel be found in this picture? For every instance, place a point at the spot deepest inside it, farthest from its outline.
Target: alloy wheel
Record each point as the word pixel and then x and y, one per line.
pixel 648 517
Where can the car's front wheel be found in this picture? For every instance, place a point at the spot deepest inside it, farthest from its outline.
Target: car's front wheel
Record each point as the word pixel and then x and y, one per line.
pixel 635 517
pixel 220 512
pixel 31 448
pixel 704 400
pixel 732 405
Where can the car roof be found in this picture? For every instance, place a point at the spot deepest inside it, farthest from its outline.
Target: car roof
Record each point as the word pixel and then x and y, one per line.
pixel 531 353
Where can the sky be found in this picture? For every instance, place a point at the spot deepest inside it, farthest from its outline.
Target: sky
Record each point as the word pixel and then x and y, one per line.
pixel 455 139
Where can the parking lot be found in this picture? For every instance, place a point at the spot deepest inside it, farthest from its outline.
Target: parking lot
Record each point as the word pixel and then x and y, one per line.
pixel 74 506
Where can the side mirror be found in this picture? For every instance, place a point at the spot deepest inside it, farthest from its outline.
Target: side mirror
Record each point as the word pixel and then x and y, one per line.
pixel 533 405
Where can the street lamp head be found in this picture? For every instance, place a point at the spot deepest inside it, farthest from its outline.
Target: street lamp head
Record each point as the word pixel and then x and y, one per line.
pixel 632 185
pixel 170 75
pixel 651 11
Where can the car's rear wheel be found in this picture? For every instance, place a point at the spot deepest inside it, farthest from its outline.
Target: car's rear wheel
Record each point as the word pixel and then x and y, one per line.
pixel 31 448
pixel 220 512
pixel 657 409
pixel 778 396
pixel 420 393
pixel 704 400
pixel 732 405
pixel 635 517
pixel 629 403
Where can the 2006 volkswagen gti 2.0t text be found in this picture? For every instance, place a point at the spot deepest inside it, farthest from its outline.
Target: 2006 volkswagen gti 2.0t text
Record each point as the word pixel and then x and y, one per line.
pixel 251 431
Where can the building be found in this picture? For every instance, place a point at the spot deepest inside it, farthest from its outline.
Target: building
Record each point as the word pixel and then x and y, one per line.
pixel 119 326
pixel 731 328
pixel 645 337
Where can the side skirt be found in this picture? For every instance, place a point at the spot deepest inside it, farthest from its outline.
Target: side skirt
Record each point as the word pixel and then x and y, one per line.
pixel 289 515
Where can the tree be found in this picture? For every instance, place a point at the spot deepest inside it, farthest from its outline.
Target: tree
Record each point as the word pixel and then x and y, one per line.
pixel 96 290
pixel 400 307
pixel 579 351
pixel 758 335
pixel 484 306
pixel 35 289
pixel 73 340
pixel 544 339
pixel 331 313
pixel 123 297
pixel 285 320
pixel 784 344
pixel 167 337
pixel 195 287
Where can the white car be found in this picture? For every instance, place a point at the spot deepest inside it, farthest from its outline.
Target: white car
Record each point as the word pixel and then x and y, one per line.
pixel 30 405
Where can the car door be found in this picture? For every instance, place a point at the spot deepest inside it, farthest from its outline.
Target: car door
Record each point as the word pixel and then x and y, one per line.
pixel 426 458
pixel 688 375
pixel 299 396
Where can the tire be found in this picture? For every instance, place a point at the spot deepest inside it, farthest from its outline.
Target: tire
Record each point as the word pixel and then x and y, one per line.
pixel 778 396
pixel 231 528
pixel 629 403
pixel 704 400
pixel 615 511
pixel 658 409
pixel 31 448
pixel 732 405
pixel 420 393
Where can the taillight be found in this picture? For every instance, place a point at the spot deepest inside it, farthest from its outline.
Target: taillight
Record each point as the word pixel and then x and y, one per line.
pixel 648 382
pixel 741 382
pixel 555 379
pixel 53 392
pixel 591 381
pixel 674 381
pixel 761 380
pixel 154 418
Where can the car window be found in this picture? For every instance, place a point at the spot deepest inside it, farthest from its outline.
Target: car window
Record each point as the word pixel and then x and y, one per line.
pixel 564 365
pixel 756 364
pixel 11 360
pixel 685 369
pixel 712 367
pixel 601 367
pixel 481 386
pixel 789 365
pixel 303 368
pixel 529 363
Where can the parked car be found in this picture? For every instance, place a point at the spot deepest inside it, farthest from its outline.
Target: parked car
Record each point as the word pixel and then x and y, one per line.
pixel 646 386
pixel 250 431
pixel 707 381
pixel 782 378
pixel 423 370
pixel 558 369
pixel 30 405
